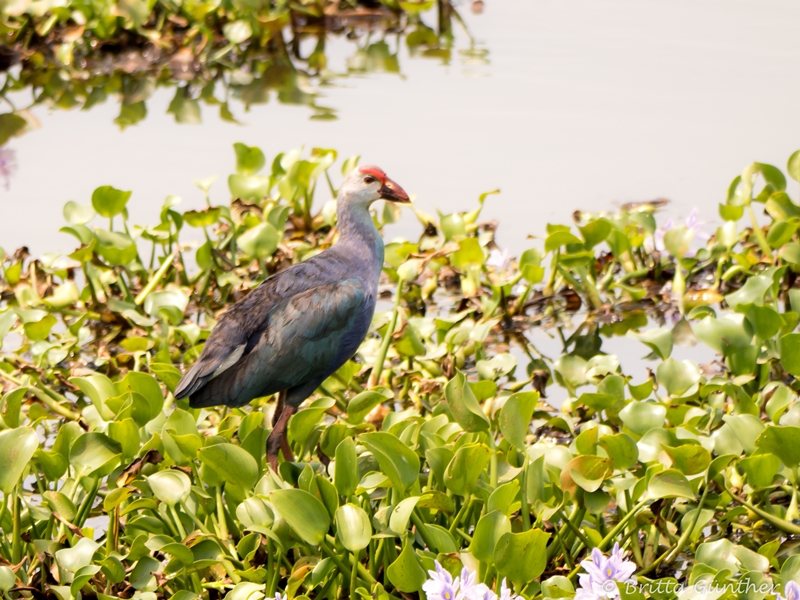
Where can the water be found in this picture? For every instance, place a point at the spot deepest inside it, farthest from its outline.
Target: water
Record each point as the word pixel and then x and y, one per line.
pixel 577 105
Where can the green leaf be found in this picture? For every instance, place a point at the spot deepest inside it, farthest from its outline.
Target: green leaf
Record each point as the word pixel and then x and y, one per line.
pixel 108 201
pixel 621 449
pixel 659 340
pixel 677 240
pixel 202 218
pixel 783 442
pixel 345 476
pixel 353 527
pixel 17 447
pixel 397 461
pixel 94 454
pixel 790 353
pixel 641 417
pixel 170 486
pixel 361 404
pixel 515 417
pixel 689 459
pixel 490 528
pixel 10 126
pixel 752 292
pixel 406 573
pixel 305 514
pixel 670 484
pixel 249 187
pixel 260 241
pixel 232 463
pixel 249 159
pixel 760 469
pixel 678 377
pixel 793 166
pixel 521 557
pixel 78 214
pixel 586 471
pixel 467 465
pixel 463 405
pixel 595 231
pixel 560 238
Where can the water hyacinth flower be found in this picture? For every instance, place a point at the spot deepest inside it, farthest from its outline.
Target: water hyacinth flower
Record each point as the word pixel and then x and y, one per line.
pixel 498 259
pixel 8 165
pixel 279 597
pixel 791 591
pixel 602 574
pixel 442 586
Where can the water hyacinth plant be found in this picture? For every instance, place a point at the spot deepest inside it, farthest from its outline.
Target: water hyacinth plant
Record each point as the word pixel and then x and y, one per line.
pixel 487 421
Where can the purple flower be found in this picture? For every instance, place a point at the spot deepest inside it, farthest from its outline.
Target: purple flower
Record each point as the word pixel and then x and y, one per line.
pixel 499 259
pixel 506 593
pixel 279 597
pixel 441 585
pixel 470 589
pixel 791 591
pixel 8 165
pixel 602 575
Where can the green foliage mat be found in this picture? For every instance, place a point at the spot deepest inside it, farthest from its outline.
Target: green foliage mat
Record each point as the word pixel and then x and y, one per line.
pixel 436 443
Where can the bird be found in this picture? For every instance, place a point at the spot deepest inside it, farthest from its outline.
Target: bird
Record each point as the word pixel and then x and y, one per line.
pixel 301 324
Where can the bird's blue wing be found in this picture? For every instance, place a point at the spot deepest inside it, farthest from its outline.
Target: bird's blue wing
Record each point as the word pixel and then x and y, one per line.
pixel 303 339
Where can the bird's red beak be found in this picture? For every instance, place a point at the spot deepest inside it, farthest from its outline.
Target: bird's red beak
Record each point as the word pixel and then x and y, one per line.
pixel 391 191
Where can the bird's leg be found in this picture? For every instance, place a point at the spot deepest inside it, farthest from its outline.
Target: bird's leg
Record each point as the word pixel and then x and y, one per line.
pixel 278 407
pixel 277 438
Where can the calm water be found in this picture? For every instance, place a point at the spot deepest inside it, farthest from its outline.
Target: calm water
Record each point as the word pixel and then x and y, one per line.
pixel 577 105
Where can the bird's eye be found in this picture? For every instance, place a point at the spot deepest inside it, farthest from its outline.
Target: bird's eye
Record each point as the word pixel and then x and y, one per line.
pixel 369 179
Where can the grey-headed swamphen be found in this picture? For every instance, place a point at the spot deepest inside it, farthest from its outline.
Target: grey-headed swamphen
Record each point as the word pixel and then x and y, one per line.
pixel 301 324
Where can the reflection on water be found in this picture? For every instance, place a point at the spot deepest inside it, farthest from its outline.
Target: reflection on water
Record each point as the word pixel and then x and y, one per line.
pixel 289 67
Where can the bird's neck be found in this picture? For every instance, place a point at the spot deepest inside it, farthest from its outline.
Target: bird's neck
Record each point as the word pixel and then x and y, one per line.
pixel 359 236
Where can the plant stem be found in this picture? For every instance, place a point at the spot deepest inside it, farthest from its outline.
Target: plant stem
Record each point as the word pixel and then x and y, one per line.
pixel 377 369
pixel 770 518
pixel 155 279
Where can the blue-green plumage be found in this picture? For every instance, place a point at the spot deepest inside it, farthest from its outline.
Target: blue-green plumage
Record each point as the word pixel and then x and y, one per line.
pixel 302 324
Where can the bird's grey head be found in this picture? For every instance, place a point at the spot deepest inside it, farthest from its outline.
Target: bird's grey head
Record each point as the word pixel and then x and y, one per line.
pixel 366 184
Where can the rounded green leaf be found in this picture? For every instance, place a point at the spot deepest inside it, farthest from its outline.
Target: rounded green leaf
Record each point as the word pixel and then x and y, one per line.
pixel 463 405
pixel 515 417
pixel 406 573
pixel 108 201
pixel 793 166
pixel 397 461
pixel 641 417
pixel 466 467
pixel 783 442
pixel 170 486
pixel 678 378
pixel 345 475
pixel 94 454
pixel 78 214
pixel 488 531
pixel 232 463
pixel 249 159
pixel 670 484
pixel 202 218
pixel 521 557
pixel 353 527
pixel 790 353
pixel 7 579
pixel 621 449
pixel 17 447
pixel 260 241
pixel 304 513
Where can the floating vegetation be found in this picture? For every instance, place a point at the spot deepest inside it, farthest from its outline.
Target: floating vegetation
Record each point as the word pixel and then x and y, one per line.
pixel 435 443
pixel 212 53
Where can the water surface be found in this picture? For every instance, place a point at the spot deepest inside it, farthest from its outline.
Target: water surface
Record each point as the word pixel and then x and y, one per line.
pixel 576 105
